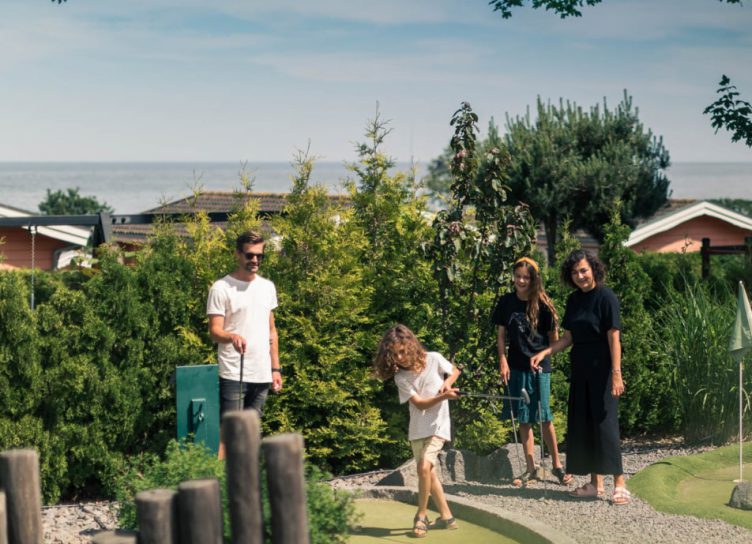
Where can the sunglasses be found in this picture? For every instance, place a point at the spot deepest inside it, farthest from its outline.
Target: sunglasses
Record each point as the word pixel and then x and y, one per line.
pixel 249 255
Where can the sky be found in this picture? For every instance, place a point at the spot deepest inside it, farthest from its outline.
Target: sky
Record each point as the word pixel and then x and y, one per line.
pixel 248 80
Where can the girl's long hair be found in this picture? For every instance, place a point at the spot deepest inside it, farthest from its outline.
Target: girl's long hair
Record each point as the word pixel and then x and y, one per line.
pixel 536 296
pixel 399 340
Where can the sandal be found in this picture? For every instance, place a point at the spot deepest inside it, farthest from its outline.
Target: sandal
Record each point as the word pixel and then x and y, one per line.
pixel 621 496
pixel 526 477
pixel 586 491
pixel 563 477
pixel 441 523
pixel 420 527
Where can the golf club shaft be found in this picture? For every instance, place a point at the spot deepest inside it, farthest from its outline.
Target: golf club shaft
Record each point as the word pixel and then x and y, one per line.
pixel 543 441
pixel 514 432
pixel 240 382
pixel 472 394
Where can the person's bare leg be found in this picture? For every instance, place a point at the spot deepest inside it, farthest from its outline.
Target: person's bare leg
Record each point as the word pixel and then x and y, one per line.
pixel 221 452
pixel 549 435
pixel 528 445
pixel 424 486
pixel 420 524
pixel 439 499
pixel 597 481
pixel 621 494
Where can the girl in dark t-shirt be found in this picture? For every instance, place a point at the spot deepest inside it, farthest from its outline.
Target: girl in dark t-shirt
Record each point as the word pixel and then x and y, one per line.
pixel 527 319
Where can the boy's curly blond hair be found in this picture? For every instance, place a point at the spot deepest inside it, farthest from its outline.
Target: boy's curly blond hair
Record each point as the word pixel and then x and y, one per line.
pixel 398 344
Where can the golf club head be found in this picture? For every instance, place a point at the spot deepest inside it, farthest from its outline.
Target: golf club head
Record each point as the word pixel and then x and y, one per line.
pixel 525 396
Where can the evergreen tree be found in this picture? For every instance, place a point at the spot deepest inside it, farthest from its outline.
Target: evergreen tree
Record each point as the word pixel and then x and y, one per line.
pixel 573 163
pixel 393 217
pixel 323 313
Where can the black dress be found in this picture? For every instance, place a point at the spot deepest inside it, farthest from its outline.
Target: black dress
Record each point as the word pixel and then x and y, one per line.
pixel 593 443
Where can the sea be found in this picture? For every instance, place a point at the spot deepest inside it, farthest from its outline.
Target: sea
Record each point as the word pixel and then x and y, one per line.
pixel 134 187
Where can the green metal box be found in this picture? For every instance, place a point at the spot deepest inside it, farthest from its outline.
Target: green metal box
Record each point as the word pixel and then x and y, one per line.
pixel 197 399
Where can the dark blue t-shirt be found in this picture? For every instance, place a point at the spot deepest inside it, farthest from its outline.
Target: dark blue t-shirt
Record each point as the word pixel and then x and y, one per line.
pixel 510 313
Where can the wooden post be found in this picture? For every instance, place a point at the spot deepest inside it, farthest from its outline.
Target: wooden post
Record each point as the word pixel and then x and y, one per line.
pixel 242 438
pixel 705 254
pixel 284 469
pixel 156 511
pixel 3 519
pixel 19 478
pixel 200 512
pixel 118 536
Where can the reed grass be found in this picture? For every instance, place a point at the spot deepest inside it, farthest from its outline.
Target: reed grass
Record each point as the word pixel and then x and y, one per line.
pixel 695 327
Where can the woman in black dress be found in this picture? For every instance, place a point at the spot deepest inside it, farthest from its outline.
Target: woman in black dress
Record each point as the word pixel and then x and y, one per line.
pixel 592 327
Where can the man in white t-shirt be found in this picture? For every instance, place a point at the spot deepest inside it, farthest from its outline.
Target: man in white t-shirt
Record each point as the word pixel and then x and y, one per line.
pixel 241 320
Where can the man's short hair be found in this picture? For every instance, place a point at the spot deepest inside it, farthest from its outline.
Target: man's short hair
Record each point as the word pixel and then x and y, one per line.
pixel 248 237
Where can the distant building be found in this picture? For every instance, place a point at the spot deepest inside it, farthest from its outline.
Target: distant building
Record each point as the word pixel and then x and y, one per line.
pixel 682 224
pixel 48 248
pixel 270 204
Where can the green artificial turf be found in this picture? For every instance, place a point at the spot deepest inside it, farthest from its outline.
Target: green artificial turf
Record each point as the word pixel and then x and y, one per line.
pixel 392 521
pixel 696 485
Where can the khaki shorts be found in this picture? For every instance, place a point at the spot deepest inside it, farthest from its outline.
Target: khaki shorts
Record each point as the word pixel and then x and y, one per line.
pixel 427 449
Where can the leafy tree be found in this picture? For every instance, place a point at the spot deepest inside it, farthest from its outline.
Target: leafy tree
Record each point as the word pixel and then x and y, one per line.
pixel 475 241
pixel 574 163
pixel 727 112
pixel 563 8
pixel 731 112
pixel 439 178
pixel 70 202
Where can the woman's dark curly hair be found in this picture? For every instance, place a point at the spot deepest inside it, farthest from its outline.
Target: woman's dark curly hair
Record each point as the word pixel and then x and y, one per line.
pixel 599 269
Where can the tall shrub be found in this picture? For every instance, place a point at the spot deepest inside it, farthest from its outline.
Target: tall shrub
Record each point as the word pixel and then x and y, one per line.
pixel 391 216
pixel 647 405
pixel 323 321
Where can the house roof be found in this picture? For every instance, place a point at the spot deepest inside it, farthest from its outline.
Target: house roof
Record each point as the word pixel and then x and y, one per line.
pixel 72 235
pixel 212 201
pixel 678 212
pixel 225 201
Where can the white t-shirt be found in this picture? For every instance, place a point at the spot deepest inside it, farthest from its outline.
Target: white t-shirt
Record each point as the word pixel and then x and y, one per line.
pixel 246 307
pixel 435 420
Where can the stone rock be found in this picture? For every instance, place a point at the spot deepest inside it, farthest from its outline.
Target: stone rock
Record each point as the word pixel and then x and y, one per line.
pixel 741 497
pixel 460 466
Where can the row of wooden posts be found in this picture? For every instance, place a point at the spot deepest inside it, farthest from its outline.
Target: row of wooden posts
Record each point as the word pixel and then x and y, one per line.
pixel 193 513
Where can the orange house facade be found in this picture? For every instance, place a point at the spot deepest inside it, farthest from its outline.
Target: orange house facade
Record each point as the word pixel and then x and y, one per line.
pixel 683 229
pixel 50 244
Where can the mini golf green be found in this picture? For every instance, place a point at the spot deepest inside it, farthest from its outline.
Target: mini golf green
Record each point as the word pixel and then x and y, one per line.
pixel 696 485
pixel 391 521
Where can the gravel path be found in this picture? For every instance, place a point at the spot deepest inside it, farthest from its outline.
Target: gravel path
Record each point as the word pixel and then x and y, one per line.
pixel 598 521
pixel 76 523
pixel 584 521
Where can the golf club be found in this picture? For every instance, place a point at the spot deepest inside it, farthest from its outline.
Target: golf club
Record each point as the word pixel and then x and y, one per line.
pixel 240 382
pixel 514 428
pixel 524 397
pixel 542 441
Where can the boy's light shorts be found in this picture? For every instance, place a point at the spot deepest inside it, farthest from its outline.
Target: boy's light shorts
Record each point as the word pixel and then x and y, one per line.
pixel 427 449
